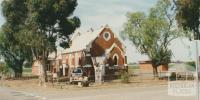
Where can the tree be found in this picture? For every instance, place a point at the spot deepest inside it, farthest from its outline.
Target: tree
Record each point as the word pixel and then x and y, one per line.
pixel 4 69
pixel 188 15
pixel 151 34
pixel 45 23
pixel 50 21
pixel 11 49
pixel 13 55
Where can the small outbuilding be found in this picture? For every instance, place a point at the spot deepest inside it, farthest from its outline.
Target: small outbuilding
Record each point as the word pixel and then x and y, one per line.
pixel 146 67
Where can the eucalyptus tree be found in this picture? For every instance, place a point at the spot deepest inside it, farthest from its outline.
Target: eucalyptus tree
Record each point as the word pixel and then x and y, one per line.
pixel 42 24
pixel 13 52
pixel 151 34
pixel 188 16
pixel 50 21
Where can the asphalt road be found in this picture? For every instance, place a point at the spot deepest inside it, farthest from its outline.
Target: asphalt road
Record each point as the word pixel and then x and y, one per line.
pixel 10 94
pixel 121 93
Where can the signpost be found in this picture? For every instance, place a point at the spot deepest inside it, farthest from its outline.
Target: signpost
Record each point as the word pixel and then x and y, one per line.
pixel 181 88
pixel 99 69
pixel 98 75
pixel 186 88
pixel 197 68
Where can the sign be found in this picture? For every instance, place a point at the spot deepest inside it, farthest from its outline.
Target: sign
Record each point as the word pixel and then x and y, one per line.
pixel 99 65
pixel 181 88
pixel 98 75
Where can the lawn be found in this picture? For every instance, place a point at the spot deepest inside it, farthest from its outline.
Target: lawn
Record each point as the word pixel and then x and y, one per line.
pixel 27 71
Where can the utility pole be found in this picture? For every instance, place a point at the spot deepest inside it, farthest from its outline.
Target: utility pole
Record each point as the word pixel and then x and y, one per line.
pixel 197 68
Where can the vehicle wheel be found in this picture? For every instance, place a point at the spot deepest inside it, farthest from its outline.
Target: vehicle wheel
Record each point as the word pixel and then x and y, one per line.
pixel 86 84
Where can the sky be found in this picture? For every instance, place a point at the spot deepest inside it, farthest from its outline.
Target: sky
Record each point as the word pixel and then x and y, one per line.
pixel 95 13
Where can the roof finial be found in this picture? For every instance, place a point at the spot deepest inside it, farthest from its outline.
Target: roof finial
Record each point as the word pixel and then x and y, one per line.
pixel 106 26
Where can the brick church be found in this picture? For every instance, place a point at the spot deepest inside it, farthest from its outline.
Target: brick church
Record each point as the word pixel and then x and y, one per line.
pixel 90 49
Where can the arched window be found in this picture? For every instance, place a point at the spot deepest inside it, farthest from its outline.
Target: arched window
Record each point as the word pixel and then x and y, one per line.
pixel 73 60
pixel 80 62
pixel 115 59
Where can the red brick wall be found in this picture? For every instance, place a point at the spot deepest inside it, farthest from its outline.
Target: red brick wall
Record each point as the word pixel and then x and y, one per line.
pixel 147 67
pixel 100 44
pixel 67 59
pixel 73 59
pixel 120 59
pixel 107 44
pixel 98 49
pixel 35 69
pixel 165 67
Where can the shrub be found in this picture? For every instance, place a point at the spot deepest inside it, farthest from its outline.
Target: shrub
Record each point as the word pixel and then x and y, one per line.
pixel 125 77
pixel 173 76
pixel 191 63
pixel 4 69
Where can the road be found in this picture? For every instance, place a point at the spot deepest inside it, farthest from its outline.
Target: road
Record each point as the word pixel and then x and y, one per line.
pixel 10 94
pixel 121 93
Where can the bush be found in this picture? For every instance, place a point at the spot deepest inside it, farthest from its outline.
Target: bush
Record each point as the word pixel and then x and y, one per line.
pixel 191 63
pixel 4 69
pixel 173 76
pixel 125 77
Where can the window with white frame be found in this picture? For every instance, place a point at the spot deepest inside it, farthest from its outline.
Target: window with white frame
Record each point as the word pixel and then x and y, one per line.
pixel 106 36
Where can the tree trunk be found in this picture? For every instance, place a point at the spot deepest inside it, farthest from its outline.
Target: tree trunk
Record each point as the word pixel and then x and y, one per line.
pixel 18 69
pixel 42 75
pixel 155 72
pixel 44 64
pixel 18 73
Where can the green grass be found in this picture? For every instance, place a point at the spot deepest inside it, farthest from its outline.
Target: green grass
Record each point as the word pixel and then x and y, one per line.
pixel 27 71
pixel 133 66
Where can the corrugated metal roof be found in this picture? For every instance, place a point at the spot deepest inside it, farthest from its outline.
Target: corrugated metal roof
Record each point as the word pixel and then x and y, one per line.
pixel 52 56
pixel 81 40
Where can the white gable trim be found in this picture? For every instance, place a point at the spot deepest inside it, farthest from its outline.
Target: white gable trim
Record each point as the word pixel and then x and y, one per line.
pixel 116 55
pixel 112 47
pixel 117 37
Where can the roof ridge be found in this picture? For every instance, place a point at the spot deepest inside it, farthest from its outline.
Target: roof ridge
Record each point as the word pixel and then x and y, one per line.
pixel 81 41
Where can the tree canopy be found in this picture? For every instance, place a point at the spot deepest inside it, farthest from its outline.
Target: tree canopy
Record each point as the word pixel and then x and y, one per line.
pixel 37 26
pixel 151 34
pixel 188 15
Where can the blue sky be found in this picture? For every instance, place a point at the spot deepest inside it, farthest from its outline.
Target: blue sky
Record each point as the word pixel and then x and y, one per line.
pixel 95 13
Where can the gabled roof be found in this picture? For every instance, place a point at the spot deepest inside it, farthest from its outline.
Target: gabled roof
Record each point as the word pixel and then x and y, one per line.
pixel 81 40
pixel 53 56
pixel 112 47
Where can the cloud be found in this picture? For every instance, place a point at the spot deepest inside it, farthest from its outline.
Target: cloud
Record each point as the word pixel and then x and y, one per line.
pixel 182 49
pixel 2 20
pixel 95 13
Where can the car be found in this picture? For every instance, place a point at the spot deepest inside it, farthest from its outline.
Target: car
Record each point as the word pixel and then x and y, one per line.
pixel 78 77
